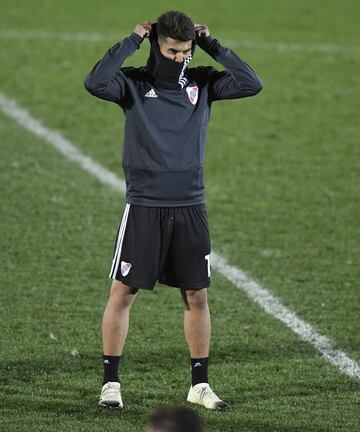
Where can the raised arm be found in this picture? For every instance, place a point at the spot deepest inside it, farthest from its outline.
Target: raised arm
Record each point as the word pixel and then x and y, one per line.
pixel 238 80
pixel 106 80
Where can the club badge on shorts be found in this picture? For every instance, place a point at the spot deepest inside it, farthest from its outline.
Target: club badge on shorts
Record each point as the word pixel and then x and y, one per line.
pixel 125 268
pixel 193 93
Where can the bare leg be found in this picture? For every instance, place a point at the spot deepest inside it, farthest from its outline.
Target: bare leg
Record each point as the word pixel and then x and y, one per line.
pixel 115 322
pixel 197 323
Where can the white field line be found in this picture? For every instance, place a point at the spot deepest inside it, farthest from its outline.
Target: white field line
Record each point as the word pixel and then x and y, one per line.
pixel 254 290
pixel 273 307
pixel 251 44
pixel 61 144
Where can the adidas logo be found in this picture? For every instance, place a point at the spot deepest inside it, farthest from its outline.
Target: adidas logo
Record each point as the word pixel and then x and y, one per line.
pixel 197 364
pixel 151 94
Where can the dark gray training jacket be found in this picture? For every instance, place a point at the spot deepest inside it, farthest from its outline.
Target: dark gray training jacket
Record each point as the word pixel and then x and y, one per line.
pixel 166 129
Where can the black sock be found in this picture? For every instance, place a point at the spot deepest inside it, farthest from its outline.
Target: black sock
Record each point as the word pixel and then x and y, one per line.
pixel 111 368
pixel 199 370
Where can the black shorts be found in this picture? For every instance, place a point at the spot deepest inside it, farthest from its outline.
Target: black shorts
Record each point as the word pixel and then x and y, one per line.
pixel 166 244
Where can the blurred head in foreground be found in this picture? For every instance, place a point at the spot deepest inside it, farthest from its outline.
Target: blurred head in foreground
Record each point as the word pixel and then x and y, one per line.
pixel 174 419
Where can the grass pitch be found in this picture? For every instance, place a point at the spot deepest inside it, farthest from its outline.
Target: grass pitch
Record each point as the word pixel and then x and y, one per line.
pixel 282 180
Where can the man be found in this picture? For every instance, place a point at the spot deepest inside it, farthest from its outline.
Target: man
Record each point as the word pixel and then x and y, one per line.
pixel 163 235
pixel 174 419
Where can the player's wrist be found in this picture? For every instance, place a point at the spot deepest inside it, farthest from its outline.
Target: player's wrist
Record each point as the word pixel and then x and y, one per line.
pixel 140 33
pixel 136 38
pixel 205 42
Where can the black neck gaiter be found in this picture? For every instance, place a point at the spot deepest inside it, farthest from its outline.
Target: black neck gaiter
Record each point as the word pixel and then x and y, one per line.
pixel 164 70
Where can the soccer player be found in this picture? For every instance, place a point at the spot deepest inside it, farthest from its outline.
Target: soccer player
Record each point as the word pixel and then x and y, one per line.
pixel 163 235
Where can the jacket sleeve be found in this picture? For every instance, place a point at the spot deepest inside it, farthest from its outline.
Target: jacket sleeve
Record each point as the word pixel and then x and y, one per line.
pixel 238 80
pixel 107 80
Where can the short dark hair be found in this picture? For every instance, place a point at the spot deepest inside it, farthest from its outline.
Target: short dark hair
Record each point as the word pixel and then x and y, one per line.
pixel 176 25
pixel 175 419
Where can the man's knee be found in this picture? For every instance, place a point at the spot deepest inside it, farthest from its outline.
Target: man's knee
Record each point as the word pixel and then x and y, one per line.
pixel 195 298
pixel 121 295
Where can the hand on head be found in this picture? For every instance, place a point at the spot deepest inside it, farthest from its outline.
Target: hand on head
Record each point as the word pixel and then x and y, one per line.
pixel 201 30
pixel 143 29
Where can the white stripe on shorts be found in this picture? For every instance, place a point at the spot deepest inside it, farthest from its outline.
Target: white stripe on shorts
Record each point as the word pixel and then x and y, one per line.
pixel 119 242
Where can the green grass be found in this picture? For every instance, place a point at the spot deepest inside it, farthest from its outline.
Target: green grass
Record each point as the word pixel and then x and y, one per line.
pixel 282 180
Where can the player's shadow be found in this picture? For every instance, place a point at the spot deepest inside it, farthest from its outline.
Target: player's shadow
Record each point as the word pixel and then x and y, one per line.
pixel 70 387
